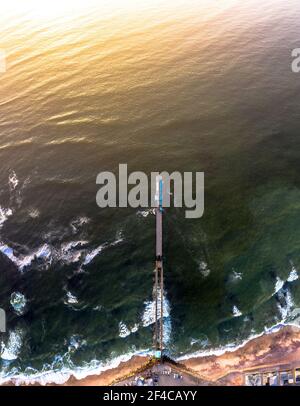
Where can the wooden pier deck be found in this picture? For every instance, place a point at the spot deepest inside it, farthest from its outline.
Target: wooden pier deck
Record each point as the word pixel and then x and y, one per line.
pixel 158 291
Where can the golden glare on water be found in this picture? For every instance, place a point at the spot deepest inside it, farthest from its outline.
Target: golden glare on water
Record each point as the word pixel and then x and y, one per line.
pixel 49 9
pixel 46 9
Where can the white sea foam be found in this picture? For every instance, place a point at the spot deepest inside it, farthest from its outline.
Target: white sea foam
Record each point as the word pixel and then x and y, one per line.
pixel 236 312
pixel 9 252
pixel 119 239
pixel 13 180
pixel 18 302
pixel 22 261
pixel 125 331
pixel 135 328
pixel 66 247
pixel 98 308
pixel 92 254
pixel 167 330
pixel 75 343
pixel 278 285
pixel 285 304
pixel 203 268
pixel 72 251
pixel 148 317
pixel 203 341
pixel 70 298
pixel 33 213
pixel 4 214
pixel 145 213
pixel 237 275
pixel 11 349
pixel 43 252
pixel 293 276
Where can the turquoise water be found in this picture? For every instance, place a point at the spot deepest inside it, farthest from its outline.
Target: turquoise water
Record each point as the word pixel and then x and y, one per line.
pixel 194 85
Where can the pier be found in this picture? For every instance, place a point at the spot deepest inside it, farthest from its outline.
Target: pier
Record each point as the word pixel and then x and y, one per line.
pixel 158 289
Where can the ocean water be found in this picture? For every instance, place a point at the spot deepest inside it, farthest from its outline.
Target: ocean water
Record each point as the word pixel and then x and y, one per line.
pixel 159 85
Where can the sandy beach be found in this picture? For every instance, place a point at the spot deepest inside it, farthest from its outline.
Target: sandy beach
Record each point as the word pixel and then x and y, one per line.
pixel 280 348
pixel 269 350
pixel 110 376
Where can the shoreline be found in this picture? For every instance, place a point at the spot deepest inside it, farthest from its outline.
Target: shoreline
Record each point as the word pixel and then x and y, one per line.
pixel 123 363
pixel 270 350
pixel 277 346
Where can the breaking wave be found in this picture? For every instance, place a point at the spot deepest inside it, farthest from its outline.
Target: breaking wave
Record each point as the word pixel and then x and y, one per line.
pixel 124 331
pixel 13 180
pixel 236 312
pixel 18 302
pixel 68 252
pixel 11 349
pixel 293 276
pixel 4 215
pixel 71 298
pixel 285 304
pixel 289 316
pixel 92 254
pixel 229 347
pixel 23 261
pixel 145 213
pixel 60 375
pixel 203 268
pixel 148 317
pixel 278 285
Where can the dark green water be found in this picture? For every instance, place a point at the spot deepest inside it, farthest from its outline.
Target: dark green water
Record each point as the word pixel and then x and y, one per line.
pixel 160 86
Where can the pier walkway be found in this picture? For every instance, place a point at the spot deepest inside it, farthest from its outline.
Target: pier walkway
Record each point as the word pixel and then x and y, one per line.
pixel 158 289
